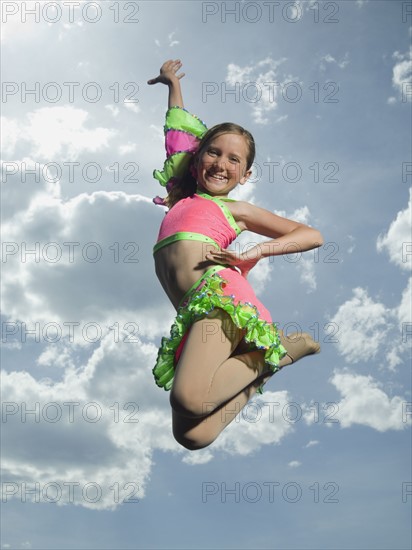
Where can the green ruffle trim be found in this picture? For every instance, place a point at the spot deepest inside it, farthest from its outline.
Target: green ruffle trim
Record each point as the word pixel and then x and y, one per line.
pixel 259 333
pixel 177 164
pixel 174 167
pixel 178 118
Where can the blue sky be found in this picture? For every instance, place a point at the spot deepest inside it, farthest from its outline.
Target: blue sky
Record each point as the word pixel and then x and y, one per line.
pixel 323 458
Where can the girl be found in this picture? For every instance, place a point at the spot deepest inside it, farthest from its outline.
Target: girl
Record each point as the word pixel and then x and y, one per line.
pixel 223 345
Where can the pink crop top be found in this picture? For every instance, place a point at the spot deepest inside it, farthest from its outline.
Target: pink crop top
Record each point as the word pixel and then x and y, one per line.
pixel 200 218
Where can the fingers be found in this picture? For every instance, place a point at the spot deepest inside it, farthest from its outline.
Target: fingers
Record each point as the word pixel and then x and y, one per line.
pixel 167 71
pixel 171 65
pixel 221 256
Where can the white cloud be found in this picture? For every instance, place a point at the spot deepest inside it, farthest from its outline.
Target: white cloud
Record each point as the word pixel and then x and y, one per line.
pixel 312 443
pixel 172 42
pixel 397 241
pixel 132 106
pixel 362 327
pixel 367 329
pixel 402 73
pixel 364 402
pixel 103 292
pixel 203 456
pixel 404 315
pixel 294 464
pixel 236 74
pixel 304 263
pixel 259 85
pixel 113 109
pixel 331 60
pixel 158 132
pixel 404 308
pixel 56 132
pixel 353 245
pixel 104 418
pixel 259 423
pixel 11 134
pixel 56 356
pixel 24 179
pixel 127 148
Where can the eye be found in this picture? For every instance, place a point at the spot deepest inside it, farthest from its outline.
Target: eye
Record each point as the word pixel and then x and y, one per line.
pixel 234 159
pixel 212 152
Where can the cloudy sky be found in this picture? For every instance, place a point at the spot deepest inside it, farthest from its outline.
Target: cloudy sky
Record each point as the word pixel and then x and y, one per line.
pixel 322 459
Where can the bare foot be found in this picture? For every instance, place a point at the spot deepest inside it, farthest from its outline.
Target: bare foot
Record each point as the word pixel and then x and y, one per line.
pixel 297 345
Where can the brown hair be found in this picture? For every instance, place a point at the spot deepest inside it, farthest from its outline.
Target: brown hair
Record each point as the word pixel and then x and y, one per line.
pixel 186 186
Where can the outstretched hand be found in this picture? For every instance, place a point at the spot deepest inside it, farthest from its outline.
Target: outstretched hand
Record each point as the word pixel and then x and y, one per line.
pixel 168 72
pixel 245 262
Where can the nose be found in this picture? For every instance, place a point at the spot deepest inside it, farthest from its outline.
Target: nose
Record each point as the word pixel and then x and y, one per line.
pixel 220 163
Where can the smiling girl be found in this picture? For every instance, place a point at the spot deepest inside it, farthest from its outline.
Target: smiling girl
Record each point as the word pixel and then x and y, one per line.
pixel 223 345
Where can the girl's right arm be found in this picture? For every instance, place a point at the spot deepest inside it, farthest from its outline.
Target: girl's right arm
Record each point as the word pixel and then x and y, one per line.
pixel 169 77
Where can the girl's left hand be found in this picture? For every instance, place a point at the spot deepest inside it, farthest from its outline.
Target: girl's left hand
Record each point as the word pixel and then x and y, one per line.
pixel 245 262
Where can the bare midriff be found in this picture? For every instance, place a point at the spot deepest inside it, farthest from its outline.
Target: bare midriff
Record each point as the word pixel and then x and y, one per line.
pixel 179 265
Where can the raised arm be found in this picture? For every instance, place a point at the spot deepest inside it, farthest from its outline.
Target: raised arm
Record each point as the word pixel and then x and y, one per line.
pixel 168 75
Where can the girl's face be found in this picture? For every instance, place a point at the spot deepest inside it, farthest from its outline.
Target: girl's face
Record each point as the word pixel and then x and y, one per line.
pixel 222 165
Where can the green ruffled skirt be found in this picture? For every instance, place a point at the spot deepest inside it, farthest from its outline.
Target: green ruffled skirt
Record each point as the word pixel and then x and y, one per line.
pixel 230 291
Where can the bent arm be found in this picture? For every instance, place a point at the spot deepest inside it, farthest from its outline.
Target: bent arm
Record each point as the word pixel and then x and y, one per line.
pixel 287 235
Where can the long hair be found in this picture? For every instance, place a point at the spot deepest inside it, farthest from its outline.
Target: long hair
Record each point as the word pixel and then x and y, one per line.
pixel 186 186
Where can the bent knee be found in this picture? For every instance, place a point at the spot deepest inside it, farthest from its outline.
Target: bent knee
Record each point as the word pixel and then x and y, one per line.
pixel 190 403
pixel 193 437
pixel 192 444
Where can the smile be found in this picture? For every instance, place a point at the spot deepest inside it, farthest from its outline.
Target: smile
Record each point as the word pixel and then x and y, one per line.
pixel 216 177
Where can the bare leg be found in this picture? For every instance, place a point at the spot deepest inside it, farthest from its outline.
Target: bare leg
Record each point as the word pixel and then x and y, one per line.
pixel 206 375
pixel 196 433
